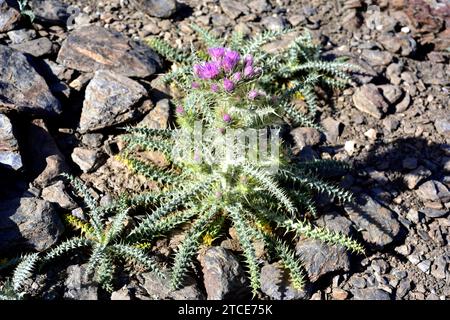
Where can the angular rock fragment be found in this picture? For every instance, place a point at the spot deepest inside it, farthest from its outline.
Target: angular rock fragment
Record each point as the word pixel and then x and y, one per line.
pixel 369 99
pixel 93 48
pixel 22 88
pixel 28 223
pixel 377 224
pixel 222 273
pixel 276 284
pixel 110 99
pixel 9 148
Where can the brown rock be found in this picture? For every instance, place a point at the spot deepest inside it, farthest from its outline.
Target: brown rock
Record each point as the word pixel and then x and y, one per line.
pixel 8 15
pixel 369 99
pixel 93 48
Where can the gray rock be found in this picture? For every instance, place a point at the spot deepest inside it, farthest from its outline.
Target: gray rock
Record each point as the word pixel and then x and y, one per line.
pixel 234 8
pixel 44 160
pixel 28 222
pixel 370 294
pixel 93 48
pixel 433 191
pixel 376 57
pixel 21 35
pixel 439 267
pixel 275 283
pixel 404 104
pixel 335 222
pixel 273 23
pixel 123 294
pixel 332 129
pixel 9 148
pixel 393 72
pixel 319 258
pixel 424 266
pixel 391 93
pixel 435 73
pixel 87 159
pixel 259 6
pixel 305 136
pixel 443 126
pixel 110 99
pixel 158 117
pixel 161 289
pixel 93 140
pixel 79 285
pixel 413 178
pixel 403 44
pixel 156 8
pixel 51 11
pixel 369 99
pixel 434 213
pixel 9 15
pixel 222 274
pixel 377 224
pixel 56 193
pixel 403 288
pixel 37 47
pixel 22 88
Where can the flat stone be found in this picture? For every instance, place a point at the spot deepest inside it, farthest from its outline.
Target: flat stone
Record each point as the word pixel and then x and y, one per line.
pixel 377 224
pixel 158 117
pixel 37 47
pixel 443 126
pixel 413 178
pixel 370 294
pixel 28 223
pixel 93 48
pixel 439 267
pixel 9 15
pixel 332 129
pixel 320 259
pixel 233 8
pixel 21 35
pixel 122 295
pixel 156 8
pixel 79 285
pixel 276 284
pixel 51 11
pixel 110 99
pixel 424 266
pixel 369 100
pixel 435 73
pixel 259 6
pixel 56 194
pixel 222 274
pixel 433 191
pixel 404 104
pixel 9 148
pixel 273 23
pixel 391 93
pixel 376 57
pixel 305 136
pixel 161 289
pixel 87 159
pixel 434 213
pixel 22 88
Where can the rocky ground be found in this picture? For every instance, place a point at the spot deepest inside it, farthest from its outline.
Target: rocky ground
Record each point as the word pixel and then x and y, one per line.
pixel 71 78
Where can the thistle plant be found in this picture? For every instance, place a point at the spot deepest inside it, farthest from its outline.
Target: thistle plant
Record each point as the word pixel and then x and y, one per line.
pixel 102 234
pixel 291 72
pixel 14 288
pixel 26 10
pixel 220 169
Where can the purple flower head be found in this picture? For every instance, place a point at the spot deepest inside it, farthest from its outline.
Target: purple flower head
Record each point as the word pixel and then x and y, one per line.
pixel 219 194
pixel 248 71
pixel 214 87
pixel 230 60
pixel 227 118
pixel 207 70
pixel 253 94
pixel 248 60
pixel 195 85
pixel 216 53
pixel 197 157
pixel 228 85
pixel 179 110
pixel 237 76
